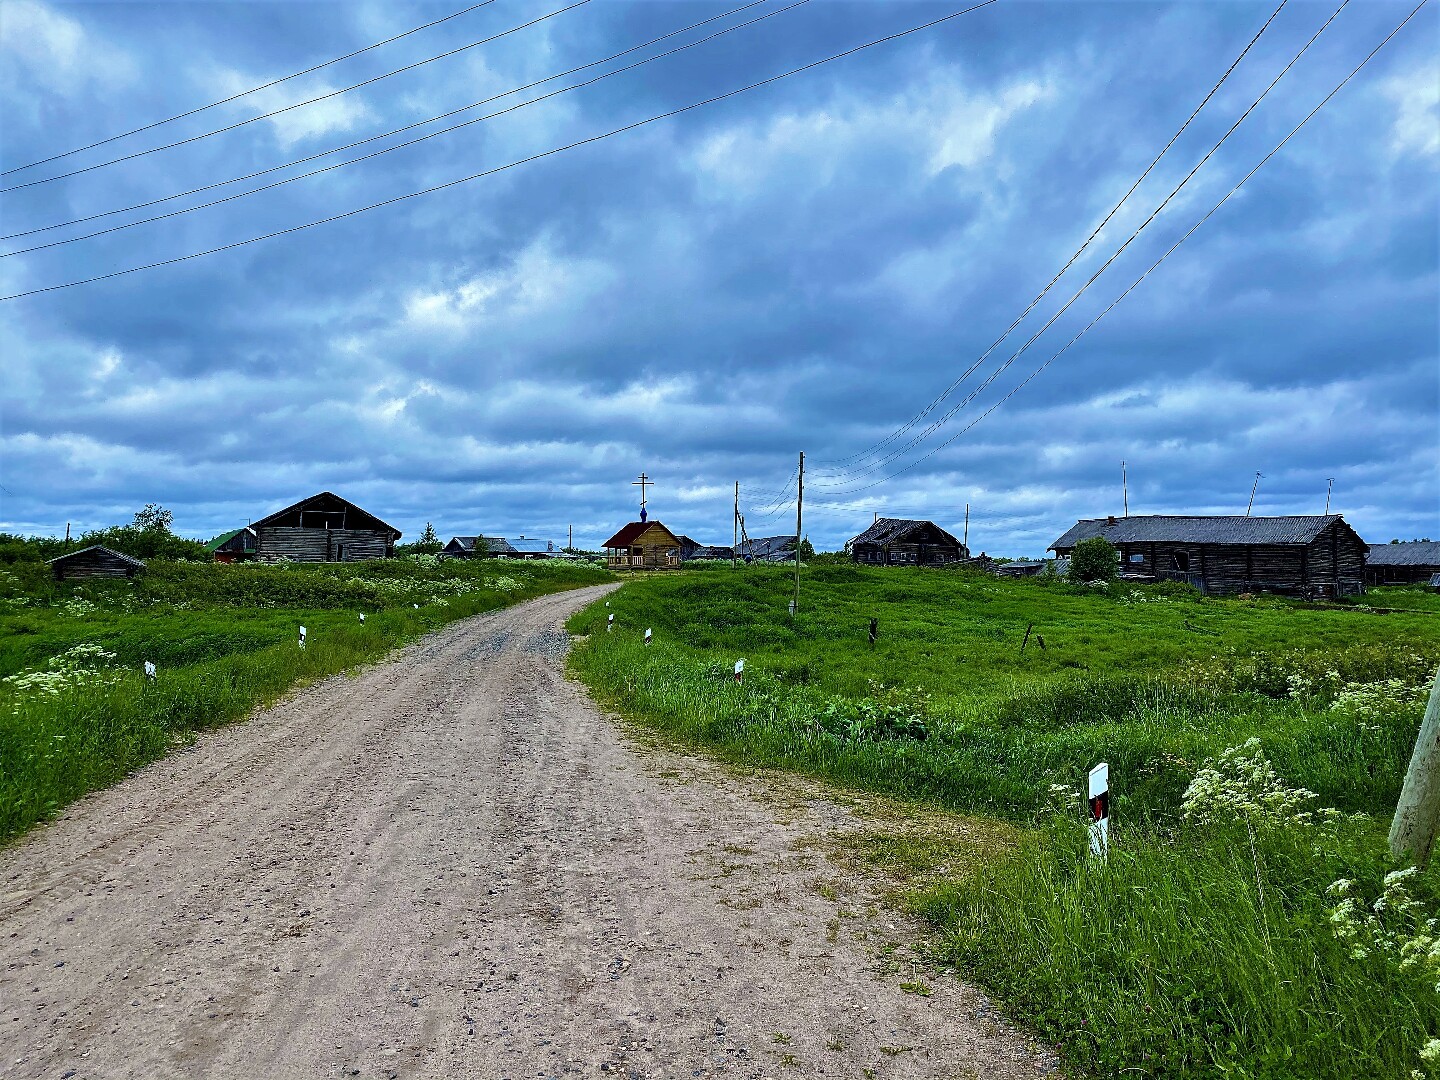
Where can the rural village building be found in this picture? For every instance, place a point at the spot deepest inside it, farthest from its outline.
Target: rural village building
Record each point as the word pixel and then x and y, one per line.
pixel 95 561
pixel 324 528
pixel 767 549
pixel 234 546
pixel 498 547
pixel 708 553
pixel 642 545
pixel 903 542
pixel 1318 554
pixel 1409 563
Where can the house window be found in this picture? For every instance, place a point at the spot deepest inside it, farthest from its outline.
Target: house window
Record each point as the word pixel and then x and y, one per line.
pixel 1181 561
pixel 1137 558
pixel 339 552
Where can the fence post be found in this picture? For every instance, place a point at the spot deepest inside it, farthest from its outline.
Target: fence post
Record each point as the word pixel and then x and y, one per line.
pixel 1417 814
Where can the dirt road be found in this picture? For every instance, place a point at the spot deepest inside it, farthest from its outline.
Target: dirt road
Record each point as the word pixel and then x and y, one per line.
pixel 452 865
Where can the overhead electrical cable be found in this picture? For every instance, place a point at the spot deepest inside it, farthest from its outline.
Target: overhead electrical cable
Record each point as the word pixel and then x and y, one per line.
pixel 502 168
pixel 410 142
pixel 298 104
pixel 936 402
pixel 243 93
pixel 384 135
pixel 880 463
pixel 1153 266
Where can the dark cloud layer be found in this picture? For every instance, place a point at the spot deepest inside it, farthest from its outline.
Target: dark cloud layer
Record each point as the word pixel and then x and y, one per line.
pixel 803 266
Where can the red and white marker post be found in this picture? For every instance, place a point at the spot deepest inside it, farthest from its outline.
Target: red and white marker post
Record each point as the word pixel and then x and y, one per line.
pixel 647 635
pixel 1100 811
pixel 739 671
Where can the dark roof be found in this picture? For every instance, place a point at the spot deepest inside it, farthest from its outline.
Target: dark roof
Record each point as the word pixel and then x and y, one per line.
pixel 1227 529
pixel 626 536
pixel 329 501
pixel 530 546
pixel 710 551
pixel 101 548
pixel 894 530
pixel 1411 553
pixel 767 547
pixel 494 545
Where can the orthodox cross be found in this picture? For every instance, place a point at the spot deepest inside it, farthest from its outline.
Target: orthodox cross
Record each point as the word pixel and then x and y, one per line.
pixel 642 484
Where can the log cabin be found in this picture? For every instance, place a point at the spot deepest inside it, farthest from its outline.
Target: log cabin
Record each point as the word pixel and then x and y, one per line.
pixel 643 545
pixel 95 561
pixel 905 542
pixel 1412 562
pixel 323 528
pixel 1314 555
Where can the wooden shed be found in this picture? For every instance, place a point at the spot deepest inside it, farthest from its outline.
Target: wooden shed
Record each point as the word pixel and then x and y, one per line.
pixel 234 546
pixel 95 561
pixel 324 528
pixel 643 545
pixel 906 542
pixel 1413 562
pixel 1317 555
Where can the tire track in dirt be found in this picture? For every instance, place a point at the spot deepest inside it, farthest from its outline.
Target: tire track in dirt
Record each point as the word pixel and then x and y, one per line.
pixel 452 865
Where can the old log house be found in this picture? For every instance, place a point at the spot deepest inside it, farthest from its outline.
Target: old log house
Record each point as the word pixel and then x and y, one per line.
pixel 905 542
pixel 643 545
pixel 95 561
pixel 1413 562
pixel 1319 555
pixel 324 528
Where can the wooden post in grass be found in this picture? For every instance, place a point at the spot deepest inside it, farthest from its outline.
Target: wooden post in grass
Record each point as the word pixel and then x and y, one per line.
pixel 1417 814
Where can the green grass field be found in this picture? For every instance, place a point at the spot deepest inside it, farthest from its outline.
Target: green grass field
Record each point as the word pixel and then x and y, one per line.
pixel 77 713
pixel 1208 946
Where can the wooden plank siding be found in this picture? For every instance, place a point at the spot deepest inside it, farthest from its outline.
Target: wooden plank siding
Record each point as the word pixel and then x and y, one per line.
pixel 1333 563
pixel 95 562
pixel 320 545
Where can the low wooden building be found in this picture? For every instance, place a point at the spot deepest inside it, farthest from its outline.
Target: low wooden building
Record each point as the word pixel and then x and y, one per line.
pixel 643 545
pixel 324 528
pixel 906 542
pixel 1312 555
pixel 1412 562
pixel 767 549
pixel 95 561
pixel 234 546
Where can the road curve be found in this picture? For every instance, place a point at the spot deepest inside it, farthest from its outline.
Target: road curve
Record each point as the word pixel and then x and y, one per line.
pixel 452 865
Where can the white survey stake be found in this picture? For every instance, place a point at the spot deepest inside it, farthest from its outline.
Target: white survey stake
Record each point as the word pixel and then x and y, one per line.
pixel 1100 811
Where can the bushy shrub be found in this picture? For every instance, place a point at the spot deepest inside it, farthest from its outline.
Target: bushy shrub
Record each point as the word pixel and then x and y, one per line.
pixel 1094 559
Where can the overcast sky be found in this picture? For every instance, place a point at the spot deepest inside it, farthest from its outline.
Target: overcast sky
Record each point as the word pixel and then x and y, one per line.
pixel 803 266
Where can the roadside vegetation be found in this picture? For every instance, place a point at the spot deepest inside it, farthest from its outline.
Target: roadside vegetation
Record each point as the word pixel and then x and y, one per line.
pixel 1248 923
pixel 77 712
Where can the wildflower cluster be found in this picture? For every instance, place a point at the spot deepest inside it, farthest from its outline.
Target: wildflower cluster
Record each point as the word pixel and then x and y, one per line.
pixel 1379 700
pixel 77 607
pixel 1242 785
pixel 1394 929
pixel 78 665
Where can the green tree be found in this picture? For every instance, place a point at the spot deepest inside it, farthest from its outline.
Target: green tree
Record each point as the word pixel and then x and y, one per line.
pixel 154 518
pixel 429 542
pixel 1094 559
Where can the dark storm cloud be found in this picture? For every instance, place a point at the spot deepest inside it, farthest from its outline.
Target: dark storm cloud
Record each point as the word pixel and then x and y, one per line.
pixel 804 265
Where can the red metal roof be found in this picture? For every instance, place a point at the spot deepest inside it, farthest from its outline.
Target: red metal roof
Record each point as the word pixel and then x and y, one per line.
pixel 626 536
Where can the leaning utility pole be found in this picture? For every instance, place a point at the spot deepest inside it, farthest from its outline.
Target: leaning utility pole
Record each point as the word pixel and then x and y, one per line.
pixel 1329 484
pixel 1253 488
pixel 1417 814
pixel 799 508
pixel 735 529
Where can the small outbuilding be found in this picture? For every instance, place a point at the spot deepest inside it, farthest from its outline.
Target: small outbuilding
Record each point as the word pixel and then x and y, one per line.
pixel 1310 555
pixel 1414 562
pixel 324 528
pixel 234 546
pixel 906 542
pixel 643 545
pixel 95 561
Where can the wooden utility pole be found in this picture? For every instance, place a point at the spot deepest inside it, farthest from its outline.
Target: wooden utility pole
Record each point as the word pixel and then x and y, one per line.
pixel 1125 488
pixel 1253 488
pixel 735 529
pixel 799 521
pixel 571 548
pixel 1417 814
pixel 1329 484
pixel 965 540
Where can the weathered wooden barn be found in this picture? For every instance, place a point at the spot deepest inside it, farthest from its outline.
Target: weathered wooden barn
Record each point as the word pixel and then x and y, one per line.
pixel 767 549
pixel 324 528
pixel 1316 555
pixel 906 542
pixel 234 546
pixel 643 545
pixel 95 561
pixel 1413 562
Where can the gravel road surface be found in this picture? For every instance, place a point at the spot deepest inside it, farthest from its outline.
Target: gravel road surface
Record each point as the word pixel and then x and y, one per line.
pixel 453 865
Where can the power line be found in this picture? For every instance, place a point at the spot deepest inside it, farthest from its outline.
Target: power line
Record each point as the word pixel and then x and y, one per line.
pixel 945 419
pixel 411 142
pixel 298 104
pixel 511 165
pixel 387 134
pixel 1153 266
pixel 244 93
pixel 935 403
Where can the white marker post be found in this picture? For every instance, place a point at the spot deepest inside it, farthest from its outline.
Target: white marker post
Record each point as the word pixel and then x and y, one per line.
pixel 739 671
pixel 415 606
pixel 149 670
pixel 362 616
pixel 792 608
pixel 302 637
pixel 609 623
pixel 1100 811
pixel 647 635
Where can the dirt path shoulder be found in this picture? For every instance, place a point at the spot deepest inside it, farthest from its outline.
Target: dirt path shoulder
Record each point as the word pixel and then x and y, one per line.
pixel 452 865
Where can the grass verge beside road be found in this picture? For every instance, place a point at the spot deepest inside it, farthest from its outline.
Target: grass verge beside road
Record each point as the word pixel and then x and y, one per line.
pixel 1213 944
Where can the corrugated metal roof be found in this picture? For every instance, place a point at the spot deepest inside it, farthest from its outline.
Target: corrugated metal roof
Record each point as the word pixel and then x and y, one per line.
pixel 1235 529
pixel 1410 553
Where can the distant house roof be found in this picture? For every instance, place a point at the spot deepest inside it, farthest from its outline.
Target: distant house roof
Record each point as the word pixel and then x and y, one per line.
pixel 329 502
pixel 1411 553
pixel 709 551
pixel 531 546
pixel 894 530
pixel 102 549
pixel 1227 529
pixel 224 538
pixel 767 547
pixel 626 536
pixel 494 545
